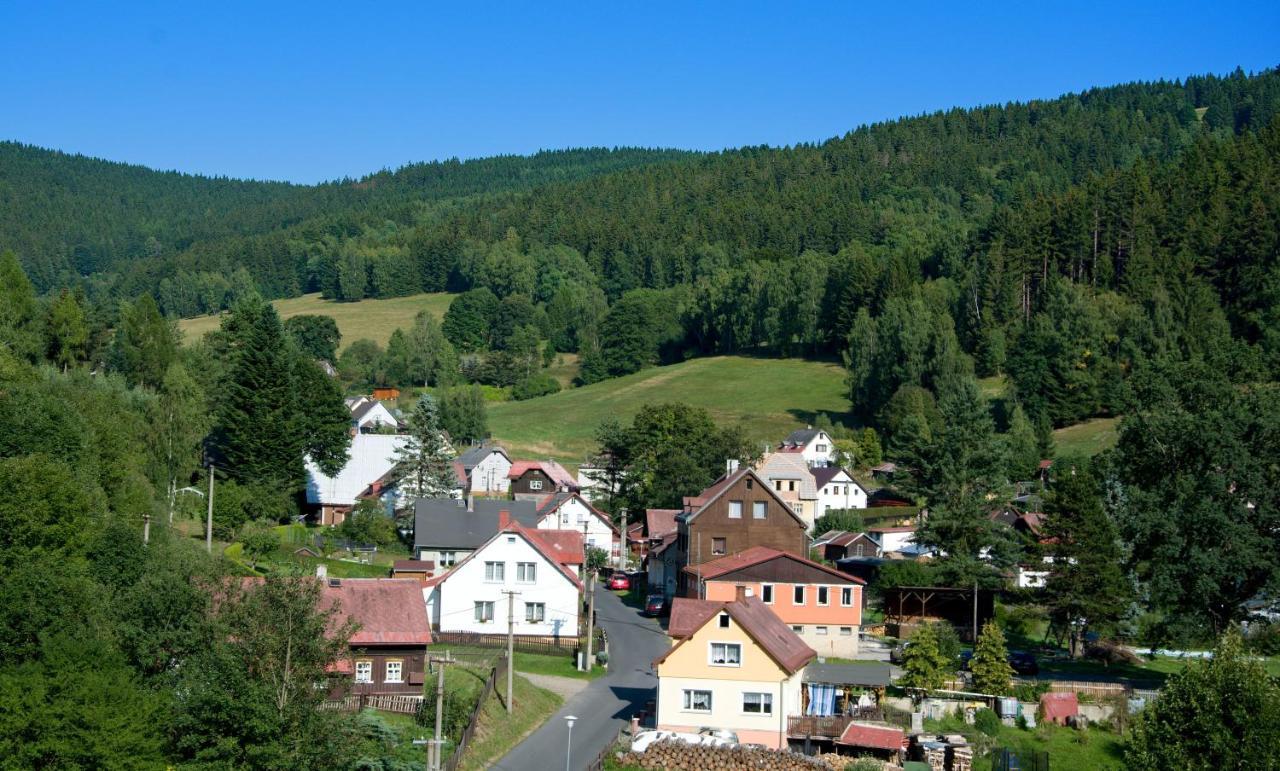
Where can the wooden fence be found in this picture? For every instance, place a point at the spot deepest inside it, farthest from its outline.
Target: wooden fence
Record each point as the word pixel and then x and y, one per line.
pixel 387 702
pixel 522 643
pixel 498 672
pixel 1088 688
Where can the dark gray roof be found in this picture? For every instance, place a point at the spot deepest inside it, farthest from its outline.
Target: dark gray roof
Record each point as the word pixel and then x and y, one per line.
pixel 801 436
pixel 446 523
pixel 364 409
pixel 471 458
pixel 552 502
pixel 872 673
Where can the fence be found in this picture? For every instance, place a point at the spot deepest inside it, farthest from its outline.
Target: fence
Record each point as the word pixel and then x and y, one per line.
pixel 387 702
pixel 498 672
pixel 1087 688
pixel 597 764
pixel 521 643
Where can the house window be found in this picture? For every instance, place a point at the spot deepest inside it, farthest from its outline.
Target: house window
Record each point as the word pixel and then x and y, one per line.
pixel 766 594
pixel 797 628
pixel 394 672
pixel 824 595
pixel 777 485
pixel 495 572
pixel 726 654
pixel 791 486
pixel 697 701
pixel 846 631
pixel 821 630
pixel 526 572
pixel 797 595
pixel 757 703
pixel 724 620
pixel 758 509
pixel 535 484
pixel 735 509
pixel 364 671
pixel 820 448
pixel 484 612
pixel 448 559
pixel 535 612
pixel 718 546
pixel 846 596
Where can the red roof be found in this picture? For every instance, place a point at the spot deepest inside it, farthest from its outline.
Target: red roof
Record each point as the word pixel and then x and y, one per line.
pixel 549 543
pixel 390 611
pixel 1046 463
pixel 905 529
pixel 566 545
pixel 756 619
pixel 757 555
pixel 413 566
pixel 1058 707
pixel 558 474
pixel 660 522
pixel 880 737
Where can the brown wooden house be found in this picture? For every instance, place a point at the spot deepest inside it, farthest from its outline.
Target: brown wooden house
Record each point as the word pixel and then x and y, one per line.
pixel 536 479
pixel 739 511
pixel 388 652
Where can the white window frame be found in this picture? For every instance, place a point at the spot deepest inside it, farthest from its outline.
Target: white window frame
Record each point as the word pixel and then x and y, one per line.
pixel 764 703
pixel 820 630
pixel 495 572
pixel 824 596
pixel 448 559
pixel 483 611
pixel 711 654
pixel 724 550
pixel 766 594
pixel 797 628
pixel 526 572
pixel 398 677
pixel 535 484
pixel 531 617
pixel 759 509
pixel 798 589
pixel 846 591
pixel 367 666
pixel 735 506
pixel 689 694
pixel 846 631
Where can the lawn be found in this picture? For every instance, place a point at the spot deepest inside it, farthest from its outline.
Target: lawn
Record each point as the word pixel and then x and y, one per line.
pixel 1088 438
pixel 497 731
pixel 1095 748
pixel 769 397
pixel 374 319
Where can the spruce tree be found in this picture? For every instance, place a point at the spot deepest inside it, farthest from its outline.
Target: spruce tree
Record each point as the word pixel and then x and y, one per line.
pixel 424 464
pixel 923 663
pixel 1021 448
pixel 20 329
pixel 145 344
pixel 990 663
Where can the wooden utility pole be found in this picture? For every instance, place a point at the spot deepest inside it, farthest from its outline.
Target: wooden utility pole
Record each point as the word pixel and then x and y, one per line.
pixel 511 642
pixel 975 613
pixel 591 618
pixel 146 529
pixel 208 528
pixel 433 753
pixel 622 553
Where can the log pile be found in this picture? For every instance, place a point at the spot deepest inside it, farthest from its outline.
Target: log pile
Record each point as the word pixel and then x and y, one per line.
pixel 678 756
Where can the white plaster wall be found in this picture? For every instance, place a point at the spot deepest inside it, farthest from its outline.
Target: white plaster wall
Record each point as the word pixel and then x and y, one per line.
pixel 466 585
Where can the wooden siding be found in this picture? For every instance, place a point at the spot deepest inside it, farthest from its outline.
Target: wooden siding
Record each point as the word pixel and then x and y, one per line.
pixel 413 669
pixel 522 486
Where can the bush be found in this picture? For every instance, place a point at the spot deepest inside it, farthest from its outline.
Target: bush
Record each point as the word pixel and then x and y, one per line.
pixel 865 764
pixel 987 722
pixel 1030 691
pixel 368 523
pixel 1263 639
pixel 535 386
pixel 457 713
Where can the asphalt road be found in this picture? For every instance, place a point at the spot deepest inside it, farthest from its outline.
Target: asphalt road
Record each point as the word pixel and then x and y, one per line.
pixel 605 705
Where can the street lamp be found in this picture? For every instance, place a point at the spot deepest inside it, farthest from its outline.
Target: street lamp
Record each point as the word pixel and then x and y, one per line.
pixel 568 747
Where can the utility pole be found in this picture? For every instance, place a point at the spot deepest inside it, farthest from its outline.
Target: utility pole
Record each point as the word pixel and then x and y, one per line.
pixel 146 529
pixel 511 642
pixel 591 617
pixel 975 613
pixel 622 553
pixel 433 751
pixel 208 528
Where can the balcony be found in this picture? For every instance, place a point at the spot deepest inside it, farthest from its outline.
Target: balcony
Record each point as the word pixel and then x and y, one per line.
pixel 830 727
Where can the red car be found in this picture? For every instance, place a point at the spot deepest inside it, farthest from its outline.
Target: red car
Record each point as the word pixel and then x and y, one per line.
pixel 619 581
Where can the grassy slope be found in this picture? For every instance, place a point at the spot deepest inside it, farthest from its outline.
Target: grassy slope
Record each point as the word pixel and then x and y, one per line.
pixel 497 732
pixel 374 319
pixel 770 397
pixel 1089 437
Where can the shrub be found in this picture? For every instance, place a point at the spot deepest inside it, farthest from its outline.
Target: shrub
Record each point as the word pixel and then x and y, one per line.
pixel 535 386
pixel 1263 639
pixel 987 722
pixel 865 764
pixel 1031 691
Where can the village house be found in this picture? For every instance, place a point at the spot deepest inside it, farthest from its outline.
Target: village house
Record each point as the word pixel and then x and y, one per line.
pixel 387 654
pixel 570 511
pixel 369 459
pixel 542 567
pixel 840 544
pixel 793 481
pixel 738 511
pixel 821 605
pixel 447 530
pixel 534 479
pixel 372 416
pixel 485 469
pixel 814 445
pixel 837 490
pixel 733 665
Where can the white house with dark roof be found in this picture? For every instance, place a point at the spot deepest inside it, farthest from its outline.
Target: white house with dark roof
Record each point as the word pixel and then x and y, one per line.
pixel 447 530
pixel 836 490
pixel 371 415
pixel 813 444
pixel 541 566
pixel 486 469
pixel 570 511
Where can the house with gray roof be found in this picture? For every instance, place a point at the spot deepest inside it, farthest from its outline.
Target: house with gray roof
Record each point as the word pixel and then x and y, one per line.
pixel 445 530
pixel 813 444
pixel 485 468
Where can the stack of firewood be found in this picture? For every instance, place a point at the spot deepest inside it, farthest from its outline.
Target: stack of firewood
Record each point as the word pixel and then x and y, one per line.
pixel 678 756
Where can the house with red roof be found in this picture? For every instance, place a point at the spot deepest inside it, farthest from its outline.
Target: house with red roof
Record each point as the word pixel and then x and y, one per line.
pixel 535 479
pixel 570 511
pixel 388 651
pixel 820 605
pixel 732 665
pixel 543 568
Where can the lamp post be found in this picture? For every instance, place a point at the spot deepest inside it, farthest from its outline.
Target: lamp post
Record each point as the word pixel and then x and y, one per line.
pixel 568 745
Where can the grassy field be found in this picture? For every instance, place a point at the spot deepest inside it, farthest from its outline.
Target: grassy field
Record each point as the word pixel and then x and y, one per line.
pixel 374 319
pixel 1095 748
pixel 534 663
pixel 769 397
pixel 1088 438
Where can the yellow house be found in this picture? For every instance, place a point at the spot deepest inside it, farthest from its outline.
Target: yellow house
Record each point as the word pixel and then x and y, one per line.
pixel 734 666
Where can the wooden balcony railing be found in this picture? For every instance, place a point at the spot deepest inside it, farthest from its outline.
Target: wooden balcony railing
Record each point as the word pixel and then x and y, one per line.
pixel 830 727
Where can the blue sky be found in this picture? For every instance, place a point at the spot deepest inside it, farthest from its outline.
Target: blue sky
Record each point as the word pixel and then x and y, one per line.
pixel 312 91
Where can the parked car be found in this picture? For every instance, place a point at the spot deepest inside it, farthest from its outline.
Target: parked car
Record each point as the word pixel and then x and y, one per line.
pixel 719 733
pixel 655 605
pixel 1023 663
pixel 643 739
pixel 619 582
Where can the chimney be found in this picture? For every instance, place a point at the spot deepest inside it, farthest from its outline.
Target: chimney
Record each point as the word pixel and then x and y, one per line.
pixel 740 593
pixel 504 519
pixel 731 465
pixel 322 571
